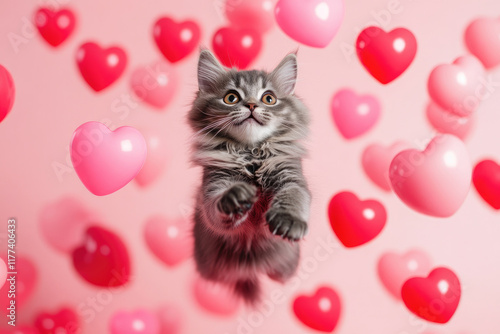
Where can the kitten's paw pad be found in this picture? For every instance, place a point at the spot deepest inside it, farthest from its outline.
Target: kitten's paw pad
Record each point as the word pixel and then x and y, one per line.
pixel 286 225
pixel 238 199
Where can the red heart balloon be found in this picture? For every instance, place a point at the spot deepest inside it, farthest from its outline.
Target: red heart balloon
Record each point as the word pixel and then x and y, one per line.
pixel 236 47
pixel 320 311
pixel 355 222
pixel 64 321
pixel 434 298
pixel 55 26
pixel 486 179
pixel 100 67
pixel 386 55
pixel 7 92
pixel 176 40
pixel 25 282
pixel 102 259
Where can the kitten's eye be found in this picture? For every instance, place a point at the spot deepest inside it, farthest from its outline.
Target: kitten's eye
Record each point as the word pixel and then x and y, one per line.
pixel 269 99
pixel 231 98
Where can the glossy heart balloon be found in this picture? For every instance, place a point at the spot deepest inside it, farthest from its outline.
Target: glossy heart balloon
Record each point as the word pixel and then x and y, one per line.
pixel 254 14
pixel 215 298
pixel 7 92
pixel 155 84
pixel 170 318
pixel 313 22
pixel 236 47
pixel 446 122
pixel 321 311
pixel 434 298
pixel 456 87
pixel 55 26
pixel 394 269
pixel 155 161
pixel 436 181
pixel 135 322
pixel 100 67
pixel 481 38
pixel 3 272
pixel 176 40
pixel 102 259
pixel 106 160
pixel 376 160
pixel 354 114
pixel 169 239
pixel 63 321
pixel 486 178
pixel 355 222
pixel 386 55
pixel 26 280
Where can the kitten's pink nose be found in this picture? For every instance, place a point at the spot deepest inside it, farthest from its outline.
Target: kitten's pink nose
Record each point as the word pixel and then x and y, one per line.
pixel 251 106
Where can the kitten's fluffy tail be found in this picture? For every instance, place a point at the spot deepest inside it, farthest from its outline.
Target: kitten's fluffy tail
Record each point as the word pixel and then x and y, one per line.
pixel 249 290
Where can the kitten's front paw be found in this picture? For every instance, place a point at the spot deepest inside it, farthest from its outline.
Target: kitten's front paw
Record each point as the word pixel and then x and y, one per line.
pixel 238 199
pixel 286 225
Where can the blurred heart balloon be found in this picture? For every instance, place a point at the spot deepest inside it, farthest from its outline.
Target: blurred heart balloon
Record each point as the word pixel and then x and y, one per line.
pixel 446 122
pixel 134 322
pixel 386 55
pixel 3 272
pixel 236 47
pixel 155 84
pixel 355 222
pixel 457 87
pixel 255 14
pixel 155 161
pixel 313 22
pixel 176 40
pixel 321 311
pixel 55 26
pixel 25 282
pixel 100 67
pixel 106 160
pixel 215 298
pixel 170 318
pixel 394 269
pixel 63 321
pixel 436 181
pixel 169 239
pixel 434 298
pixel 354 114
pixel 376 160
pixel 486 178
pixel 481 38
pixel 102 259
pixel 7 92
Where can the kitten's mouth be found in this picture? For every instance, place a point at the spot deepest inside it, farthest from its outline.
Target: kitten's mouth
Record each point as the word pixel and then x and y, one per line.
pixel 250 119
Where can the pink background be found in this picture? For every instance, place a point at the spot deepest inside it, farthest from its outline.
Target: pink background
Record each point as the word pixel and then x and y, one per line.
pixel 53 100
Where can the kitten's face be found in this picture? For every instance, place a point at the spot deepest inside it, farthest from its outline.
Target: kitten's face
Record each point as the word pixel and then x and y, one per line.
pixel 247 106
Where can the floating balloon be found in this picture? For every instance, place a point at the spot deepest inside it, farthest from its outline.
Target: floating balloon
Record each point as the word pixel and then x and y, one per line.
pixel 436 181
pixel 155 161
pixel 447 122
pixel 100 67
pixel 456 87
pixel 55 26
pixel 486 178
pixel 7 92
pixel 320 311
pixel 354 114
pixel 63 321
pixel 236 47
pixel 102 259
pixel 386 55
pixel 355 222
pixel 105 160
pixel 170 318
pixel 434 298
pixel 313 23
pixel 481 38
pixel 215 298
pixel 155 84
pixel 254 14
pixel 135 322
pixel 176 40
pixel 25 281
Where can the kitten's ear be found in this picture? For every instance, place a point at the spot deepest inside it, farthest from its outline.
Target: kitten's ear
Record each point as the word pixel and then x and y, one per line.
pixel 285 74
pixel 209 70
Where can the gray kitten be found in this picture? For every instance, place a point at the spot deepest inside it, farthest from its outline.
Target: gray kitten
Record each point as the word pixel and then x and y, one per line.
pixel 253 204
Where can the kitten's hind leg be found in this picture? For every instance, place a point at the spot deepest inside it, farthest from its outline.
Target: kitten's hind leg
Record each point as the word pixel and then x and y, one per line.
pixel 284 262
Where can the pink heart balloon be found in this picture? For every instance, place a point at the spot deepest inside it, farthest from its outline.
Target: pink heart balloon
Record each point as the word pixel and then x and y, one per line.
pixel 483 41
pixel 134 322
pixel 26 278
pixel 107 160
pixel 354 115
pixel 446 122
pixel 169 239
pixel 7 92
pixel 215 298
pixel 394 269
pixel 155 160
pixel 155 84
pixel 457 87
pixel 255 14
pixel 436 181
pixel 376 160
pixel 3 272
pixel 313 22
pixel 170 318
